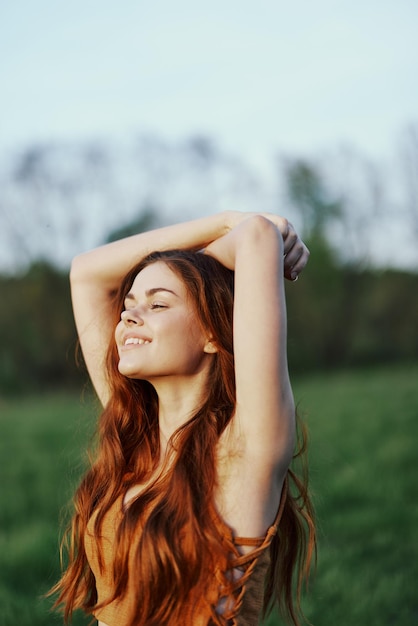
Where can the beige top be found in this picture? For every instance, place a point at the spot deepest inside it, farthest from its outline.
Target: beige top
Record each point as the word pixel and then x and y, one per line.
pixel 248 571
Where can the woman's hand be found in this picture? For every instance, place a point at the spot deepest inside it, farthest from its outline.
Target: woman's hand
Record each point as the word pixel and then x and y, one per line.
pixel 296 254
pixel 295 251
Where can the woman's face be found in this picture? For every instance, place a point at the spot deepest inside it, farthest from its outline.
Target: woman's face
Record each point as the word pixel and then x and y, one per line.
pixel 159 334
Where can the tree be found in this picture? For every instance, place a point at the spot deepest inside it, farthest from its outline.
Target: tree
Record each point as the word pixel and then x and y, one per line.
pixel 308 194
pixel 37 332
pixel 60 199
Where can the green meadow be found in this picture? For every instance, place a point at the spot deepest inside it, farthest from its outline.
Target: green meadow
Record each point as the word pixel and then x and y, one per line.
pixel 363 428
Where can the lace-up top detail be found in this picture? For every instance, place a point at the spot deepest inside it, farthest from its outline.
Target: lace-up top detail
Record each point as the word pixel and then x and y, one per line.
pixel 238 605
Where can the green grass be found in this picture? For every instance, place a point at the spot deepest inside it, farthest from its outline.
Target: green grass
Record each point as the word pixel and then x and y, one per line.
pixel 364 474
pixel 40 449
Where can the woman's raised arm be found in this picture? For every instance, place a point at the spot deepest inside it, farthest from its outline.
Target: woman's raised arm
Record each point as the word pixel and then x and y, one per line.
pixel 264 423
pixel 97 273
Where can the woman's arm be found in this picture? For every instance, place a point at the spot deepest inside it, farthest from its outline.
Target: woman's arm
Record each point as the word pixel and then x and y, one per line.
pixel 261 434
pixel 96 274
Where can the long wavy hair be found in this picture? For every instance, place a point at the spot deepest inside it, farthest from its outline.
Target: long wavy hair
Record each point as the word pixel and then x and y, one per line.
pixel 128 452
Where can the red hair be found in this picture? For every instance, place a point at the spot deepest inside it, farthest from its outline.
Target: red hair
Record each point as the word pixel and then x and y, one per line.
pixel 181 500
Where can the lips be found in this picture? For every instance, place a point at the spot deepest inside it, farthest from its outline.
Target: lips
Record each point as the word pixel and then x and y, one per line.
pixel 134 340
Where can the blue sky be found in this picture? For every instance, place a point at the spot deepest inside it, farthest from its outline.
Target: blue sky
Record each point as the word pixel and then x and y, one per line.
pixel 259 77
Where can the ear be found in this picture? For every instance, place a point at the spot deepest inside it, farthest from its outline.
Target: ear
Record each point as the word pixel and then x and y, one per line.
pixel 210 347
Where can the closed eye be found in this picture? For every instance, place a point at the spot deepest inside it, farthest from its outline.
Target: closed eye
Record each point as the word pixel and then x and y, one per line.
pixel 157 305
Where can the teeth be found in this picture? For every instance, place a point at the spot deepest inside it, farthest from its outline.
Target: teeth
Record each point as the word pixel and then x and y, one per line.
pixel 136 341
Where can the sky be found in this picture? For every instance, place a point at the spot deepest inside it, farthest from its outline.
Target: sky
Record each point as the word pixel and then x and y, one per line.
pixel 260 77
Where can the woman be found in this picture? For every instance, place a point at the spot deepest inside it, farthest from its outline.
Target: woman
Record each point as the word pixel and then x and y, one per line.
pixel 186 516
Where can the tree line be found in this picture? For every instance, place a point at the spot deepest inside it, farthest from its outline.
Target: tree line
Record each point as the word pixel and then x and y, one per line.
pixel 345 311
pixel 57 199
pixel 338 316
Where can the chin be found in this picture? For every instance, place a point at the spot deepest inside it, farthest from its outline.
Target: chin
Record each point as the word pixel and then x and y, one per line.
pixel 127 371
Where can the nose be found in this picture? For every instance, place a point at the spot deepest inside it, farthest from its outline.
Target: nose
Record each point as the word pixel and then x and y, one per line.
pixel 131 318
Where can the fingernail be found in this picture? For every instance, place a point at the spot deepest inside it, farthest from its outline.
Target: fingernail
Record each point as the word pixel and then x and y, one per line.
pixel 294 276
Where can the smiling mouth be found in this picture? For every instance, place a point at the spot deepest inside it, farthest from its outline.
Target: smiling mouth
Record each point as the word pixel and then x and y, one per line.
pixel 135 341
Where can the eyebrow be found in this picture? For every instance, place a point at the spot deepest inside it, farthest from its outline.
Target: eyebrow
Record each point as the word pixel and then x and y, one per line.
pixel 151 292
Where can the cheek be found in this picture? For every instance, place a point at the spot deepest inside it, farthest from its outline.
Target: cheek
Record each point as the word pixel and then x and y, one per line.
pixel 194 337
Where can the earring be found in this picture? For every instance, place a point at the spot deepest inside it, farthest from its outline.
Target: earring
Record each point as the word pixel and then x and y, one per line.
pixel 210 348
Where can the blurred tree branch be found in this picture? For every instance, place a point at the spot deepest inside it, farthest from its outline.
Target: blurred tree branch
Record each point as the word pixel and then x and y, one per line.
pixel 60 199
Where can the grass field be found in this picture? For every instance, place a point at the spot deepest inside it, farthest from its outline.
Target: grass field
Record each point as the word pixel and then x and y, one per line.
pixel 364 473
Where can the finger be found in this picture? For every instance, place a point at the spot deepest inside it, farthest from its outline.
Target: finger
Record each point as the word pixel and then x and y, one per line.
pixel 295 262
pixel 283 225
pixel 299 266
pixel 290 236
pixel 292 265
pixel 293 249
pixel 291 241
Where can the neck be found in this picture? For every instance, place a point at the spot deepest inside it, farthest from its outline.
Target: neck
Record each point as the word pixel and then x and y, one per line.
pixel 178 400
